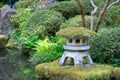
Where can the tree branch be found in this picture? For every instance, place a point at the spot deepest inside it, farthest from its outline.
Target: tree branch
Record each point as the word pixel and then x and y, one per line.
pixel 82 13
pixel 92 14
pixel 101 14
pixel 113 3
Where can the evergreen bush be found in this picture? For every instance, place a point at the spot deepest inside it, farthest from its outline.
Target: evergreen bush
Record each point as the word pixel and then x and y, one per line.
pixel 105 47
pixel 76 21
pixel 112 18
pixel 48 21
pixel 40 24
pixel 71 8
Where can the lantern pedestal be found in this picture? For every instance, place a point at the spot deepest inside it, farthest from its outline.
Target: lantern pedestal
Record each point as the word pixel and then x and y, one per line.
pixel 77 53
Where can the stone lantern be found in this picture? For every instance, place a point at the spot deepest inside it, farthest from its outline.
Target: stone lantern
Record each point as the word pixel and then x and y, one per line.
pixel 76 46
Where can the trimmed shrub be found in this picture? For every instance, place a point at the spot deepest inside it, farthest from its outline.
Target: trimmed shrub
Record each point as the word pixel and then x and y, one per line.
pixel 52 71
pixel 105 47
pixel 40 24
pixel 70 8
pixel 25 4
pixel 47 20
pixel 32 4
pixel 112 17
pixel 76 21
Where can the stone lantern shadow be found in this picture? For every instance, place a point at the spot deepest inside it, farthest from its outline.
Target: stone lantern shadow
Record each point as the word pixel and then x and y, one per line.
pixel 76 47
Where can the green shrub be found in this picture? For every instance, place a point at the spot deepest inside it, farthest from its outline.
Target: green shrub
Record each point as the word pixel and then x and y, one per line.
pixel 1 5
pixel 19 20
pixel 48 19
pixel 23 4
pixel 40 24
pixel 70 8
pixel 76 21
pixel 112 17
pixel 46 51
pixel 105 47
pixel 32 4
pixel 20 17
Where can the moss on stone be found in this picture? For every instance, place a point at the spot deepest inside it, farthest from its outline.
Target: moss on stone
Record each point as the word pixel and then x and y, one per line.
pixel 52 71
pixel 75 32
pixel 3 40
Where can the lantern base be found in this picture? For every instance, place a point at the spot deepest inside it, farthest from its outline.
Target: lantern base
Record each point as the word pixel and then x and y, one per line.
pixel 77 58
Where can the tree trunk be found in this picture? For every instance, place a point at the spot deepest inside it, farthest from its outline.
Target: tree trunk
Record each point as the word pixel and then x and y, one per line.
pixel 93 14
pixel 101 15
pixel 82 13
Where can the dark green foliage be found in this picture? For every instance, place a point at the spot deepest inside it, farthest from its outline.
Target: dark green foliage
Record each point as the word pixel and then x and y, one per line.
pixel 1 4
pixel 70 8
pixel 41 24
pixel 77 21
pixel 112 17
pixel 105 47
pixel 47 20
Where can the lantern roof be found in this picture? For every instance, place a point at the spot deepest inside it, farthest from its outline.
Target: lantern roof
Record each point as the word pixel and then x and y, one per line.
pixel 75 32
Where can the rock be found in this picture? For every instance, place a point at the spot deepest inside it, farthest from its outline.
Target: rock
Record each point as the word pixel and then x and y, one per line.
pixel 3 40
pixel 5 24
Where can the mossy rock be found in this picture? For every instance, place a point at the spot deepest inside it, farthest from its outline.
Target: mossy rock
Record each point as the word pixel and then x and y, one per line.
pixel 75 32
pixel 52 71
pixel 3 40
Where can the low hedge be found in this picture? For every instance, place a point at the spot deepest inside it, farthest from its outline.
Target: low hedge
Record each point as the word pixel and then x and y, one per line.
pixel 52 71
pixel 105 47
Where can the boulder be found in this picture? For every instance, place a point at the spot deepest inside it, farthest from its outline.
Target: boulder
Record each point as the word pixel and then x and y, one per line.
pixel 5 24
pixel 3 40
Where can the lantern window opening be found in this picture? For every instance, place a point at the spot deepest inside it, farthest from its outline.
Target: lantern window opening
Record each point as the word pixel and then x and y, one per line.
pixel 77 41
pixel 70 40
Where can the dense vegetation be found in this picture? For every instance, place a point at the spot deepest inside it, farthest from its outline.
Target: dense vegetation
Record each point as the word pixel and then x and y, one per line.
pixel 76 21
pixel 105 47
pixel 70 8
pixel 35 33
